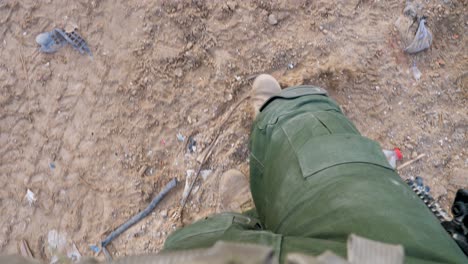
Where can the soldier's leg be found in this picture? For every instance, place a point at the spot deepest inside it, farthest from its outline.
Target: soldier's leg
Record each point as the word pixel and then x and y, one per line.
pixel 234 192
pixel 313 175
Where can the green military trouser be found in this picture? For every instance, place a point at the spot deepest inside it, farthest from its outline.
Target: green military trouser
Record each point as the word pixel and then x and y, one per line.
pixel 315 180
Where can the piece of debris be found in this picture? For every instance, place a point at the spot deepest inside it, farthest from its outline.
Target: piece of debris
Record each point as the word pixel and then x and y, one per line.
pixel 178 72
pixel 231 5
pixel 411 10
pixel 57 241
pixel 272 20
pixel 392 156
pixel 142 170
pixel 291 65
pixel 57 38
pixel 205 174
pixel 180 137
pixel 52 165
pixel 94 248
pixel 24 250
pixel 50 41
pixel 136 218
pixel 73 253
pixel 416 72
pixel 163 213
pixel 30 197
pixel 188 182
pixel 422 40
pixel 411 161
pixel 192 144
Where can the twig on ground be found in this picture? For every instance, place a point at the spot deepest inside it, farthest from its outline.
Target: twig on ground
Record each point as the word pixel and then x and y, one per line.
pixel 107 255
pixel 140 215
pixel 409 162
pixel 207 156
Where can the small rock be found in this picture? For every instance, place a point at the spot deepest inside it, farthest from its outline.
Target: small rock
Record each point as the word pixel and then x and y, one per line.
pixel 30 197
pixel 272 20
pixel 163 213
pixel 178 72
pixel 231 5
pixel 416 73
pixel 205 174
pixel 142 170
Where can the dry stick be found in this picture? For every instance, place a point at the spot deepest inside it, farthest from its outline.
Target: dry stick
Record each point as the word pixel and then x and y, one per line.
pixel 207 155
pixel 107 255
pixel 411 161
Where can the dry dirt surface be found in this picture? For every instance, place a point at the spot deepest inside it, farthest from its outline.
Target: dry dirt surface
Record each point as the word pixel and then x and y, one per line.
pixel 95 139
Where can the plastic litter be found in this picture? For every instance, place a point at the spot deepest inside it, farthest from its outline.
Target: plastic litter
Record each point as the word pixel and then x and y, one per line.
pixel 30 197
pixel 57 241
pixel 192 144
pixel 416 72
pixel 52 165
pixel 393 156
pixel 57 38
pixel 422 40
pixel 73 253
pixel 60 249
pixel 94 248
pixel 180 137
pixel 50 41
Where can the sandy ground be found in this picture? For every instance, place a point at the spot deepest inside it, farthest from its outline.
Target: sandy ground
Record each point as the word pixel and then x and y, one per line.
pixel 109 124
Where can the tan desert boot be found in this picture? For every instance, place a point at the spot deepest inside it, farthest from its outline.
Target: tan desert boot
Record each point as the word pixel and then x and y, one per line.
pixel 264 87
pixel 234 191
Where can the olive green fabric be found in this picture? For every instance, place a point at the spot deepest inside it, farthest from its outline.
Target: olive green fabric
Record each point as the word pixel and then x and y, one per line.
pixel 315 180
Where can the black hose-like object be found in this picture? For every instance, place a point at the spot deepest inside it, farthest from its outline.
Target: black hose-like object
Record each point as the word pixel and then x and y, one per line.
pixel 135 219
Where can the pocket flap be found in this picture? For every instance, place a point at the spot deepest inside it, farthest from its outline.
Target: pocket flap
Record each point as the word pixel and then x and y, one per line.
pixel 320 153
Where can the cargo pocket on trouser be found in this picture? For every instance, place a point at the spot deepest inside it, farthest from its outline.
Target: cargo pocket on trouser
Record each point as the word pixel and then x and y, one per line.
pixel 320 153
pixel 323 139
pixel 204 233
pixel 322 145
